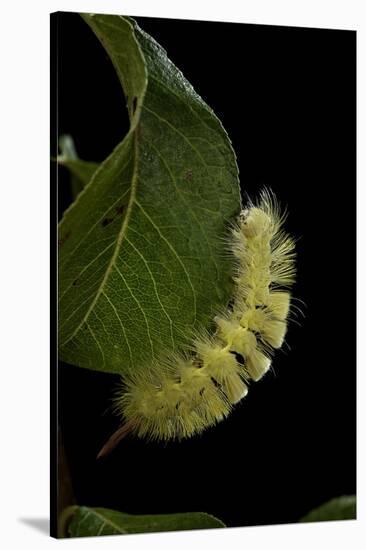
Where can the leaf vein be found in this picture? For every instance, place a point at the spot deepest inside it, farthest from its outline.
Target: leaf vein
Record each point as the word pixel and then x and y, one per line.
pixel 171 247
pixel 67 258
pixel 118 244
pixel 107 521
pixel 96 340
pixel 120 321
pixel 155 287
pixel 174 181
pixel 175 129
pixel 87 267
pixel 140 307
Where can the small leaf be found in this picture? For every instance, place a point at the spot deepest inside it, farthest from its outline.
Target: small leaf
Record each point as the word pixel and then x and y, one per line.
pixel 142 258
pixel 81 170
pixel 335 509
pixel 83 521
pixel 67 147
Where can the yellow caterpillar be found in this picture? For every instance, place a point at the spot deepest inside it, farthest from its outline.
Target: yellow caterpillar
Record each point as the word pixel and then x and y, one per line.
pixel 181 395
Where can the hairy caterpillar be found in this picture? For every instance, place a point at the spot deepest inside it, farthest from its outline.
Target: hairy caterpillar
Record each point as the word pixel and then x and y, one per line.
pixel 183 394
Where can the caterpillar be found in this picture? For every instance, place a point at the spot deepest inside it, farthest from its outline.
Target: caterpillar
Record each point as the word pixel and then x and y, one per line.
pixel 182 394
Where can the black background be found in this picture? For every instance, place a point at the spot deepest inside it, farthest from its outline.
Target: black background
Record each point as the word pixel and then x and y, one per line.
pixel 286 96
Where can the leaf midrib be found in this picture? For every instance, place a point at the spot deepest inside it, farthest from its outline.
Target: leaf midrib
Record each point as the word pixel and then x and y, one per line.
pixel 119 239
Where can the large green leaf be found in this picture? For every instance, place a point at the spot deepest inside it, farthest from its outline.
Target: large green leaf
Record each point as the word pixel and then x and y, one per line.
pixel 335 509
pixel 82 521
pixel 142 249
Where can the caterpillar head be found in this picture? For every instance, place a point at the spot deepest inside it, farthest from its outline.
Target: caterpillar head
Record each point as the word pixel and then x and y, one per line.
pixel 255 222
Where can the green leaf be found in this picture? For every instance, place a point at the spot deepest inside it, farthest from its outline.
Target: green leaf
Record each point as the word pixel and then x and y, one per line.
pixel 81 170
pixel 335 509
pixel 82 521
pixel 142 258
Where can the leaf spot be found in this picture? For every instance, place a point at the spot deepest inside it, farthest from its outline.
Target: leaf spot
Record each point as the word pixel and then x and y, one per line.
pixel 63 239
pixel 120 210
pixel 188 175
pixel 107 221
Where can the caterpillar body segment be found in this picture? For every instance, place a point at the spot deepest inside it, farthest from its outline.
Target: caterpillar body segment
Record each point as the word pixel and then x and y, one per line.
pixel 182 395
